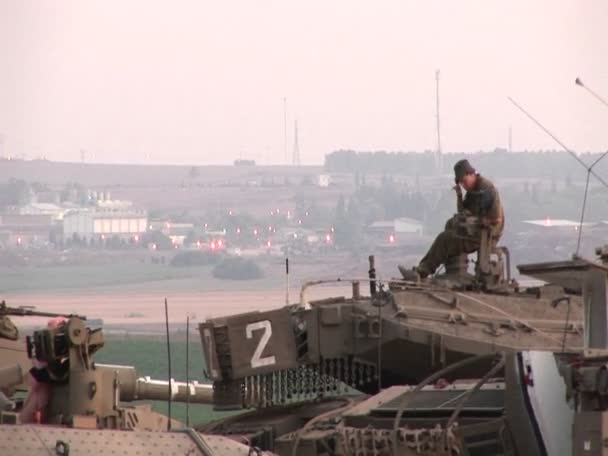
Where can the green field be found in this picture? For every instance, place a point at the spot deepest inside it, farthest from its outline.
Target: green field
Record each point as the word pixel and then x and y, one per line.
pixel 127 275
pixel 149 356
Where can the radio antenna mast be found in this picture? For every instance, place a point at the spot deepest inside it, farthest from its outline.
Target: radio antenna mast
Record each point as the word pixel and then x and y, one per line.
pixel 579 82
pixel 285 129
pixel 438 156
pixel 588 168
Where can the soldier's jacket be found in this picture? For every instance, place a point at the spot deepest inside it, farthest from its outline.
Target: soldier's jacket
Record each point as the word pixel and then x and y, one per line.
pixel 484 201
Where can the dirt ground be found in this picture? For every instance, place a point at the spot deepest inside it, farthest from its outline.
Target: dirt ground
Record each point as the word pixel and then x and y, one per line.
pixel 135 308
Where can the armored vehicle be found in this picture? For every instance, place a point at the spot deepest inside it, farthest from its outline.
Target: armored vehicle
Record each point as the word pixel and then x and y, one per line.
pixel 461 364
pixel 89 411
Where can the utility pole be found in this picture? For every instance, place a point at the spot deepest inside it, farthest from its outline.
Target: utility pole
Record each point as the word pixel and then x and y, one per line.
pixel 438 157
pixel 285 129
pixel 296 145
pixel 510 139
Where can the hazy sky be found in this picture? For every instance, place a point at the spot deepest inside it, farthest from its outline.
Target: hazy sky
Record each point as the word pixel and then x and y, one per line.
pixel 203 82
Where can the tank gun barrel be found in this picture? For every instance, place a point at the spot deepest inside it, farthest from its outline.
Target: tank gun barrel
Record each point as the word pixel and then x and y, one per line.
pixel 134 388
pixel 25 311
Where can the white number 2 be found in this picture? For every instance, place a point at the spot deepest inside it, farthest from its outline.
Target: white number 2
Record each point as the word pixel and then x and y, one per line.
pixel 257 360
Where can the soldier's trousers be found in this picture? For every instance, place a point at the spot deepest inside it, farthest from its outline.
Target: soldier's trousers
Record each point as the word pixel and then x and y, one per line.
pixel 447 244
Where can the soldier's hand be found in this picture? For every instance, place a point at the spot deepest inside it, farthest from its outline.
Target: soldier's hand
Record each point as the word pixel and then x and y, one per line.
pixel 457 189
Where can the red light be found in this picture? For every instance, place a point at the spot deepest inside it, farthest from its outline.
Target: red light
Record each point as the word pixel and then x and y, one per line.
pixel 229 212
pixel 136 238
pixel 19 240
pixel 198 244
pixel 299 222
pixel 220 243
pixel 213 246
pixel 328 238
pixel 269 228
pixel 547 221
pixel 268 244
pixel 332 229
pixel 238 231
pixel 255 232
pixel 391 238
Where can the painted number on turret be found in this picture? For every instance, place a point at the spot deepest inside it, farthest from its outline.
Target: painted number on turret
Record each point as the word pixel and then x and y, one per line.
pixel 257 360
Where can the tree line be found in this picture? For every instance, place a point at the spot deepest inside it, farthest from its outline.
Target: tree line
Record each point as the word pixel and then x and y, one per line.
pixel 498 163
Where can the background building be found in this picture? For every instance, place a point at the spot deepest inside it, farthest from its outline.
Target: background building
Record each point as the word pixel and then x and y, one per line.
pixel 101 223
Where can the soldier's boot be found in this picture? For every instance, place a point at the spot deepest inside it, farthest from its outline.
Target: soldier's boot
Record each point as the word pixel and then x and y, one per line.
pixel 408 274
pixel 413 275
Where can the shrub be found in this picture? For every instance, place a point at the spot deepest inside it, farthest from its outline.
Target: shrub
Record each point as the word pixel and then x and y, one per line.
pixel 237 269
pixel 194 258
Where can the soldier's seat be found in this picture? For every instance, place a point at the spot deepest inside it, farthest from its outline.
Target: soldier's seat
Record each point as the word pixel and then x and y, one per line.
pixel 492 268
pixel 492 262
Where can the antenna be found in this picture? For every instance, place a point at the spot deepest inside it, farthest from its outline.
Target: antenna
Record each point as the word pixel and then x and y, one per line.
pixel 579 82
pixel 438 157
pixel 169 399
pixel 188 370
pixel 588 168
pixel 286 279
pixel 296 145
pixel 285 128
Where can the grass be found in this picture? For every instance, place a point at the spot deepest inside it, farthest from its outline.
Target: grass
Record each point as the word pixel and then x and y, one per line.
pixel 148 354
pixel 126 275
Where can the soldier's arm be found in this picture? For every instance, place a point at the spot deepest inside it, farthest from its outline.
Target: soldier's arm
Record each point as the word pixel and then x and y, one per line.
pixel 459 201
pixel 490 206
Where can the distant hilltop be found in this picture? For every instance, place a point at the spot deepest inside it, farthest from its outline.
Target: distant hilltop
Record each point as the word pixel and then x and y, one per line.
pixel 98 174
pixel 499 163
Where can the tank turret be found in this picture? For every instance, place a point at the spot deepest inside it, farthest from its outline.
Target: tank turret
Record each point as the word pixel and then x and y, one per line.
pixel 86 394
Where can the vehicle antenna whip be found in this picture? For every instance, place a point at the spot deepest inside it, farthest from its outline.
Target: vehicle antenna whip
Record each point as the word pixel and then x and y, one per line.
pixel 576 157
pixel 579 82
pixel 169 397
pixel 188 370
pixel 286 280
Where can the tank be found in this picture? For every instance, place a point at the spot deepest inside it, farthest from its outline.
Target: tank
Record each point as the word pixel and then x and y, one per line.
pixel 90 408
pixel 445 366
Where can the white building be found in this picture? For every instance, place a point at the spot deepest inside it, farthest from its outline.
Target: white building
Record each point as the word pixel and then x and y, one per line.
pixel 402 225
pixel 408 225
pixel 323 180
pixel 100 223
pixel 56 212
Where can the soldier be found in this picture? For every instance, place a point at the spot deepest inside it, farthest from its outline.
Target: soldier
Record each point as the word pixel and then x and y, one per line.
pixel 38 382
pixel 481 200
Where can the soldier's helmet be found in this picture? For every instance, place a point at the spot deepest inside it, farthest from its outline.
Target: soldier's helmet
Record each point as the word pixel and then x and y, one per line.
pixel 462 168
